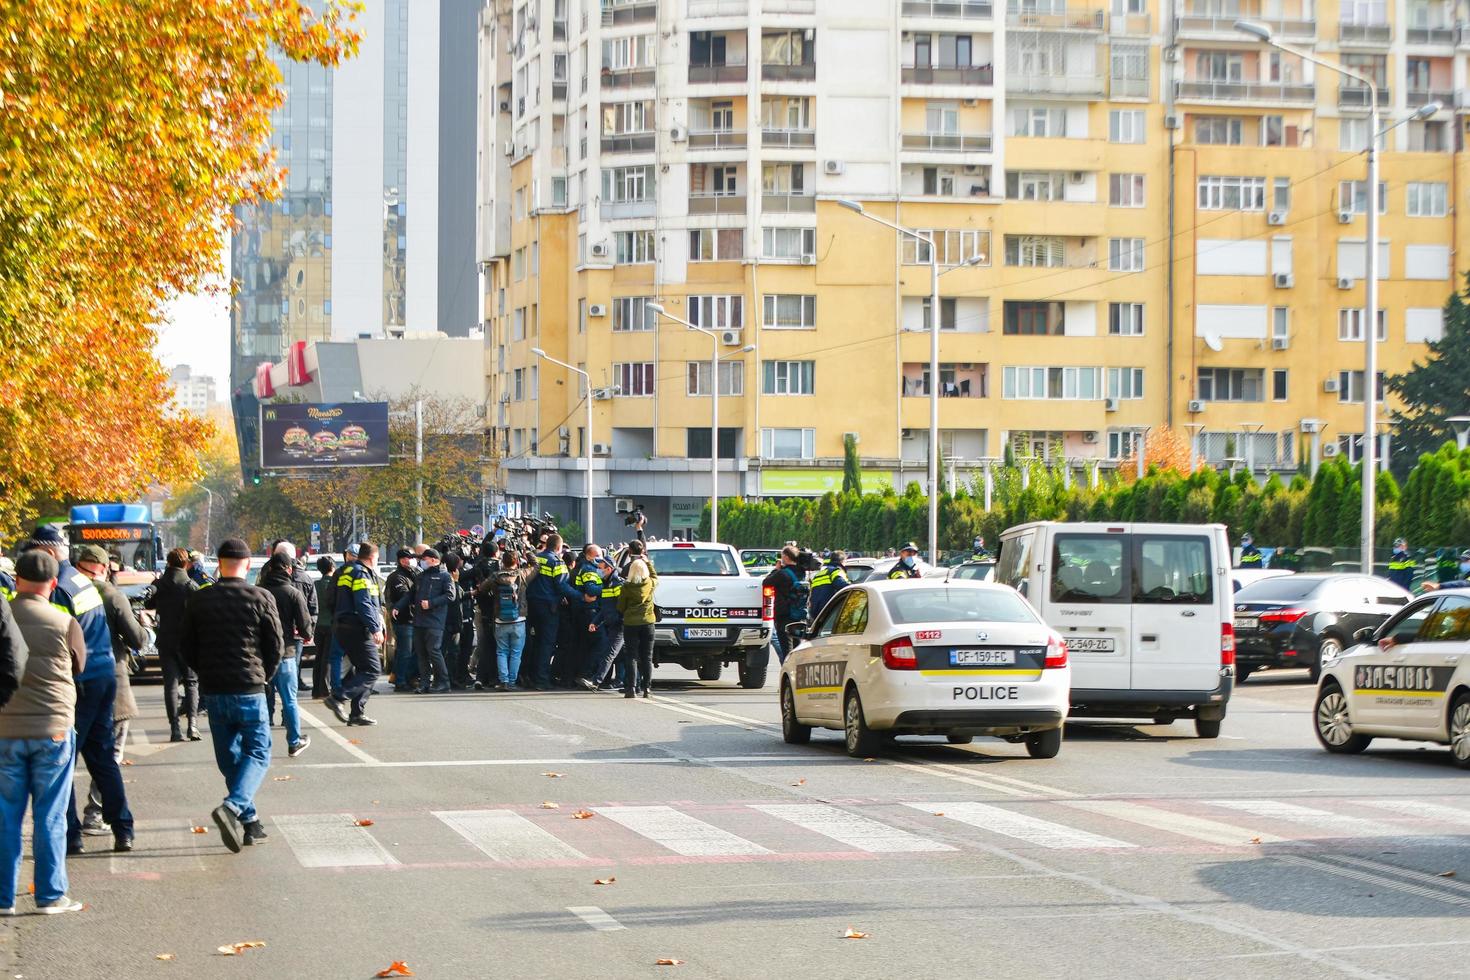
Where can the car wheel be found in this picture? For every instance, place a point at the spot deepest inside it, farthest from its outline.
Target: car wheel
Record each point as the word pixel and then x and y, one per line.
pixel 792 731
pixel 710 670
pixel 1241 673
pixel 753 678
pixel 1334 726
pixel 862 741
pixel 1044 745
pixel 960 739
pixel 1207 727
pixel 1460 731
pixel 1331 647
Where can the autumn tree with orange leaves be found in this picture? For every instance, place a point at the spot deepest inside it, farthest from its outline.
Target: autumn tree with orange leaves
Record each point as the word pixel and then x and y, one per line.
pixel 1164 449
pixel 128 130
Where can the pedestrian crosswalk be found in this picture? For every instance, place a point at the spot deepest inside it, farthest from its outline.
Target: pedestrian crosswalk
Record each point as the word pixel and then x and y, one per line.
pixel 521 835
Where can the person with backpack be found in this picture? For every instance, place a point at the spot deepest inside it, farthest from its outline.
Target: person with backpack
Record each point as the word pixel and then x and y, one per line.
pixel 505 594
pixel 792 597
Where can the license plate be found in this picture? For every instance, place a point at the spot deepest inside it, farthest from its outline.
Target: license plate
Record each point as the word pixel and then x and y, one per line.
pixel 1247 623
pixel 981 658
pixel 704 634
pixel 1091 644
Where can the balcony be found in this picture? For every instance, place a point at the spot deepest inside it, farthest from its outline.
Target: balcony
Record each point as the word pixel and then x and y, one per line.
pixel 1090 85
pixel 948 142
pixel 776 72
pixel 716 139
pixel 1418 97
pixel 711 74
pixel 1272 92
pixel 788 137
pixel 719 8
pixel 1204 23
pixel 949 75
pixel 714 202
pixel 777 203
pixel 789 7
pixel 614 210
pixel 1130 24
pixel 1431 35
pixel 1128 88
pixel 949 9
pixel 962 380
pixel 1374 34
pixel 628 142
pixel 1054 17
pixel 1356 96
pixel 627 77
pixel 616 13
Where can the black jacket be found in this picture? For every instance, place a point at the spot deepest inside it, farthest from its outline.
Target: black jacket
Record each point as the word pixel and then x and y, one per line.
pixel 454 612
pixel 399 583
pixel 231 637
pixel 170 593
pixel 435 587
pixel 303 582
pixel 782 578
pixel 127 632
pixel 13 653
pixel 325 589
pixel 291 609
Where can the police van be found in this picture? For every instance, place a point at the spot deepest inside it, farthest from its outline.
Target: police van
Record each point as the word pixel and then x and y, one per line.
pixel 1145 609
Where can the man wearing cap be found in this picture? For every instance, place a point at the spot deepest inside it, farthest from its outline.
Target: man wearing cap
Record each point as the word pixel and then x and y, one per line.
pixel 1401 565
pixel 398 586
pixel 96 688
pixel 37 738
pixel 907 565
pixel 1250 555
pixel 1463 582
pixel 432 592
pixel 231 636
pixel 359 631
pixel 170 593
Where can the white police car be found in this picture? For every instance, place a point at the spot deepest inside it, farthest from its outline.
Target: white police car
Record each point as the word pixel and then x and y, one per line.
pixel 1409 679
pixel 928 657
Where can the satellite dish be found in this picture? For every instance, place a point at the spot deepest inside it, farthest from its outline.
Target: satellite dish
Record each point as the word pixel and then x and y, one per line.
pixel 1212 341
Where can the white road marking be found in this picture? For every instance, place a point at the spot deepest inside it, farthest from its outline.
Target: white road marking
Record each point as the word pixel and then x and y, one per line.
pixel 1008 823
pixel 679 832
pixel 1378 880
pixel 1183 824
pixel 1417 808
pixel 634 760
pixel 596 918
pixel 849 828
pixel 333 735
pixel 1378 867
pixel 506 836
pixel 331 840
pixel 1321 822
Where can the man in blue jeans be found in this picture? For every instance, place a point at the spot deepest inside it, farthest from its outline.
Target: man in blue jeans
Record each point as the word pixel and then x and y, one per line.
pixel 232 640
pixel 543 607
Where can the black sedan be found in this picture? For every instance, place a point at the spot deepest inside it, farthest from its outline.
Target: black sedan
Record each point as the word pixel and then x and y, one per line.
pixel 1301 620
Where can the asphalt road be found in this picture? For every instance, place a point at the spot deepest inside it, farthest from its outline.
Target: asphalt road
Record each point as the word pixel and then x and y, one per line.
pixel 1139 851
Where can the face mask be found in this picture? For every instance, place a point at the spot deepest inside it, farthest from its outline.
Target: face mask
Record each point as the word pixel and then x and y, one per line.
pixel 1465 568
pixel 908 561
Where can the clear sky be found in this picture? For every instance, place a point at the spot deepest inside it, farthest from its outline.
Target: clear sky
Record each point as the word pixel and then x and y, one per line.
pixel 197 333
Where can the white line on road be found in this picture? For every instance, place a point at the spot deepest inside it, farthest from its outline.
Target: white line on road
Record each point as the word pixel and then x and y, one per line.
pixel 658 760
pixel 1042 833
pixel 1417 808
pixel 596 918
pixel 505 836
pixel 1183 824
pixel 1378 867
pixel 1376 879
pixel 331 840
pixel 1321 822
pixel 849 828
pixel 331 733
pixel 679 832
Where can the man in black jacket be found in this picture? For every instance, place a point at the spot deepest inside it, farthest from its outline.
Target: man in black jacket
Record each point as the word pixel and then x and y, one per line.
pixel 170 593
pixel 296 625
pixel 326 597
pixel 231 636
pixel 433 592
pixel 399 584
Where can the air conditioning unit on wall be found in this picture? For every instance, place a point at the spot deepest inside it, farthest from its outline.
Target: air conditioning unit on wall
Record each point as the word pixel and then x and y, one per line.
pixel 1331 449
pixel 598 250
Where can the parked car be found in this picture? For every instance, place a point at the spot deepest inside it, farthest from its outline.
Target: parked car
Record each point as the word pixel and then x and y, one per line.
pixel 1302 620
pixel 974 571
pixel 1241 577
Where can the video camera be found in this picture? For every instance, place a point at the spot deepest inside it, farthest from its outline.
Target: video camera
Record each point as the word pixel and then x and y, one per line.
pixel 525 531
pixel 633 519
pixel 807 561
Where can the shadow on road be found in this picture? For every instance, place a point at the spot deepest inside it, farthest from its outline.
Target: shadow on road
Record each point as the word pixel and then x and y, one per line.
pixel 1423 762
pixel 685 914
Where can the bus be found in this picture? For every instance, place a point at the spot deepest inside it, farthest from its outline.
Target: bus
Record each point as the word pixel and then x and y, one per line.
pixel 124 531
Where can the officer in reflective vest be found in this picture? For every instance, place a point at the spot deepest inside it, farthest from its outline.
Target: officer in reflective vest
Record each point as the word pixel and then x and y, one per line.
pixel 543 596
pixel 1401 565
pixel 831 580
pixel 1447 566
pixel 1250 555
pixel 358 628
pixel 907 565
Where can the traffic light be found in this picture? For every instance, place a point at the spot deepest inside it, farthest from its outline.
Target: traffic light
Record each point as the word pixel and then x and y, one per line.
pixel 255 477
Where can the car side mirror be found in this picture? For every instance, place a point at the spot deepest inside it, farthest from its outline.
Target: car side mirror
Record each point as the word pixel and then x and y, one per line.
pixel 1364 635
pixel 797 631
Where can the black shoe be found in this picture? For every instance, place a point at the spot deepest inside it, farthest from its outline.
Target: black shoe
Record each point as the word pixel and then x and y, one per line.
pixel 363 720
pixel 543 687
pixel 230 830
pixel 338 708
pixel 122 843
pixel 255 833
pixel 175 735
pixel 628 694
pixel 477 686
pixel 73 848
pixel 643 693
pixel 439 689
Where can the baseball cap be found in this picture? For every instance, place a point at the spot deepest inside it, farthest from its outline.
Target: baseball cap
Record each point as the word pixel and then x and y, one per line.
pixel 910 546
pixel 404 553
pixel 429 553
pixel 36 566
pixel 92 553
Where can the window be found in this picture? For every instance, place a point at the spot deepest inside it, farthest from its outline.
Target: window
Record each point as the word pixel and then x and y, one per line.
pixel 1126 126
pixel 1038 120
pixel 1045 185
pixel 1172 569
pixel 1278 384
pixel 1219 66
pixel 1350 325
pixel 518 324
pixel 1125 190
pixel 1350 386
pixel 716 244
pixel 783 178
pixel 635 380
pixel 1281 324
pixel 1125 383
pixel 786 112
pixel 948 310
pixel 632 313
pixel 518 384
pixel 732 379
pixel 1428 199
pixel 581 316
pixel 696 442
pixel 518 264
pixel 788 243
pixel 627 117
pixel 786 48
pixel 1088 568
pixel 717 312
pixel 789 311
pixel 1218 130
pixel 1123 443
pixel 955 246
pixel 942 117
pixel 1232 193
pixel 1026 317
pixel 1125 319
pixel 634 247
pixel 1035 251
pixel 788 377
pixel 1353 195
pixel 1055 383
pixel 621 184
pixel 939 181
pixel 1128 69
pixel 1125 254
pixel 1352 134
pixel 621 54
pixel 788 443
pixel 1281 193
pixel 1230 384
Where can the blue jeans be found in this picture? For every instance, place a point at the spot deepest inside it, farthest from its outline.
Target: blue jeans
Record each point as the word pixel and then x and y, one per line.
pixel 97 745
pixel 284 684
pixel 405 662
pixel 271 688
pixel 610 646
pixel 336 660
pixel 38 769
pixel 510 640
pixel 240 728
pixel 545 621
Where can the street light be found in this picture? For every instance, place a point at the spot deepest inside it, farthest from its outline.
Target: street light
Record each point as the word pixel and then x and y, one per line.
pixel 587 436
pixel 1461 424
pixel 1263 34
pixel 714 413
pixel 209 509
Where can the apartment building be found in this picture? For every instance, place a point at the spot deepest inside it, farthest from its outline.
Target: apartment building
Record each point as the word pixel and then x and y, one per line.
pixel 1143 218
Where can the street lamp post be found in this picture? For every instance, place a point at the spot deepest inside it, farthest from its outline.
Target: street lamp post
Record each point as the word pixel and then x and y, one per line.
pixel 1370 328
pixel 209 512
pixel 1461 425
pixel 587 436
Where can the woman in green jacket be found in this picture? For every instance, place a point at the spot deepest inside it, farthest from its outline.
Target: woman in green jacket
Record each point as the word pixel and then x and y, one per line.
pixel 635 604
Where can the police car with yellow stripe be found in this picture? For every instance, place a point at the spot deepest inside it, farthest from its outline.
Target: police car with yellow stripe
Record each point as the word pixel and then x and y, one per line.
pixel 927 657
pixel 1407 679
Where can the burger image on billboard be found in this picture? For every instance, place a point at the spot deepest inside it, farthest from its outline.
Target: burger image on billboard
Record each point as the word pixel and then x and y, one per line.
pixel 296 437
pixel 353 438
pixel 324 442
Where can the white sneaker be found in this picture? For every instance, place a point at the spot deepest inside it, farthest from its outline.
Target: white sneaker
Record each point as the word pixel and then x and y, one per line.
pixel 63 904
pixel 8 911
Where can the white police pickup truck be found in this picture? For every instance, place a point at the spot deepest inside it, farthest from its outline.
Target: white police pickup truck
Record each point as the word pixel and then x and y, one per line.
pixel 710 612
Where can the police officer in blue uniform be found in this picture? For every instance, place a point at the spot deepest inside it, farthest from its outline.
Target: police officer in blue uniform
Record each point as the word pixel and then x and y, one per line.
pixel 831 580
pixel 358 629
pixel 1250 555
pixel 1401 565
pixel 543 600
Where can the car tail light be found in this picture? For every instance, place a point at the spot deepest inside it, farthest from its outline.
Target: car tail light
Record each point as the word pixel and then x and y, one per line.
pixel 683 544
pixel 1227 644
pixel 1056 652
pixel 1282 615
pixel 899 654
pixel 768 603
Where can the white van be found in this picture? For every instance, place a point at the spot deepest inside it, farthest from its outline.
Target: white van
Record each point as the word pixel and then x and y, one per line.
pixel 1146 610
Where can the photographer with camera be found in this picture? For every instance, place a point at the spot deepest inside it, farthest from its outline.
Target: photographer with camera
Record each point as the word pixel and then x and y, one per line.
pixel 637 521
pixel 792 593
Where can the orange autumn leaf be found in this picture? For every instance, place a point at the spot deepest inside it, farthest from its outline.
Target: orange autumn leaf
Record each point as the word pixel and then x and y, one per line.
pixel 554 775
pixel 281 779
pixel 548 805
pixel 199 830
pixel 164 956
pixel 31 888
pixel 1255 840
pixel 363 823
pixel 604 881
pixel 854 934
pixel 1445 874
pixel 354 741
pixel 581 814
pixel 397 968
pixel 235 949
pixel 126 762
pixel 667 961
pixel 799 782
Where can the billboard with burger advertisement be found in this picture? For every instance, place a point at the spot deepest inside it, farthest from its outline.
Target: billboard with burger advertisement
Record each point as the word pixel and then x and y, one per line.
pixel 310 435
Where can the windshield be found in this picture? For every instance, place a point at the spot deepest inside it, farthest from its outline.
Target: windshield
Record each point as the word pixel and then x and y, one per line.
pixel 857 573
pixel 130 547
pixel 759 558
pixel 920 605
pixel 976 571
pixel 693 561
pixel 1288 588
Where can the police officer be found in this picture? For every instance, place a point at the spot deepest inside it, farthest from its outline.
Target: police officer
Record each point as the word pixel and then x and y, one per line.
pixel 1447 566
pixel 609 624
pixel 359 631
pixel 594 572
pixel 1250 555
pixel 907 565
pixel 978 551
pixel 543 601
pixel 1401 565
pixel 831 580
pixel 398 585
pixel 1461 579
